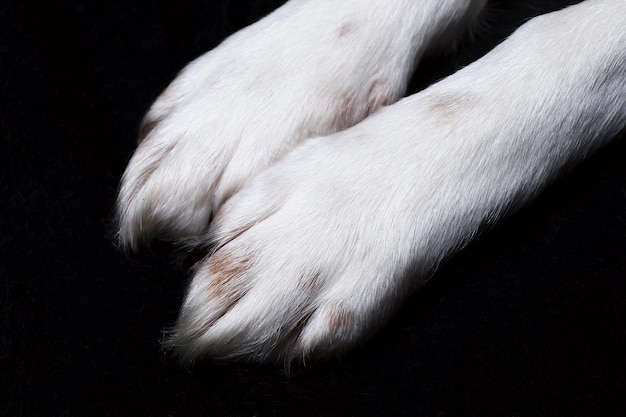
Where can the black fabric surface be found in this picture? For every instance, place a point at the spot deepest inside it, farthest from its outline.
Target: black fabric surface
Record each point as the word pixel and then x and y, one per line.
pixel 528 321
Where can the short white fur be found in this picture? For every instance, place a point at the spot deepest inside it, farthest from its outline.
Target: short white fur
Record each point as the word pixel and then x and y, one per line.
pixel 323 238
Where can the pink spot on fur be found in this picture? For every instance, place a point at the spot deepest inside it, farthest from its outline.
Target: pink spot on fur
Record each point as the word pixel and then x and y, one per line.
pixel 345 29
pixel 355 108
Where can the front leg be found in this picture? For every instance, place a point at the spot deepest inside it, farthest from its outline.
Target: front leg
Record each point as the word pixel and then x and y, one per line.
pixel 314 254
pixel 311 68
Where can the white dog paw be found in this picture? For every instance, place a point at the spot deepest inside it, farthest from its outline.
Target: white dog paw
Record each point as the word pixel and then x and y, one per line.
pixel 311 256
pixel 241 107
pixel 308 69
pixel 315 253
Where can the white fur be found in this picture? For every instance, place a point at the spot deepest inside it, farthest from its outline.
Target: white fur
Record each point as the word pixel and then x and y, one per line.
pixel 311 68
pixel 313 254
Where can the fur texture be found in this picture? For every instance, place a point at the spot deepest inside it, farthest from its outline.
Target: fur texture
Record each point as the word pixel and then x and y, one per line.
pixel 330 204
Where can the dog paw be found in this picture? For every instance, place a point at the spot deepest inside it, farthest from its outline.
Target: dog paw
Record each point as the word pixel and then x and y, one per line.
pixel 315 253
pixel 244 105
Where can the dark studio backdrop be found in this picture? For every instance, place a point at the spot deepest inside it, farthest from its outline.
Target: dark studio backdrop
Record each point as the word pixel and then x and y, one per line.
pixel 528 321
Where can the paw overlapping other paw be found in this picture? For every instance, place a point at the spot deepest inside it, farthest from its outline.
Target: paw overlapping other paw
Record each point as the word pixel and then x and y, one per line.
pixel 234 112
pixel 279 287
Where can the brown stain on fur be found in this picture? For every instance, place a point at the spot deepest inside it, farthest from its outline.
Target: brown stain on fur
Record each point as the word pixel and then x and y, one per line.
pixel 225 288
pixel 339 317
pixel 226 268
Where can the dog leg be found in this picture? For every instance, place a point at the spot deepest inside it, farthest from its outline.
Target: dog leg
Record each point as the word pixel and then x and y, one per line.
pixel 311 68
pixel 315 253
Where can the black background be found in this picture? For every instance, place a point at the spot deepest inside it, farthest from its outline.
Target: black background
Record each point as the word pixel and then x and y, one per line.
pixel 529 321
